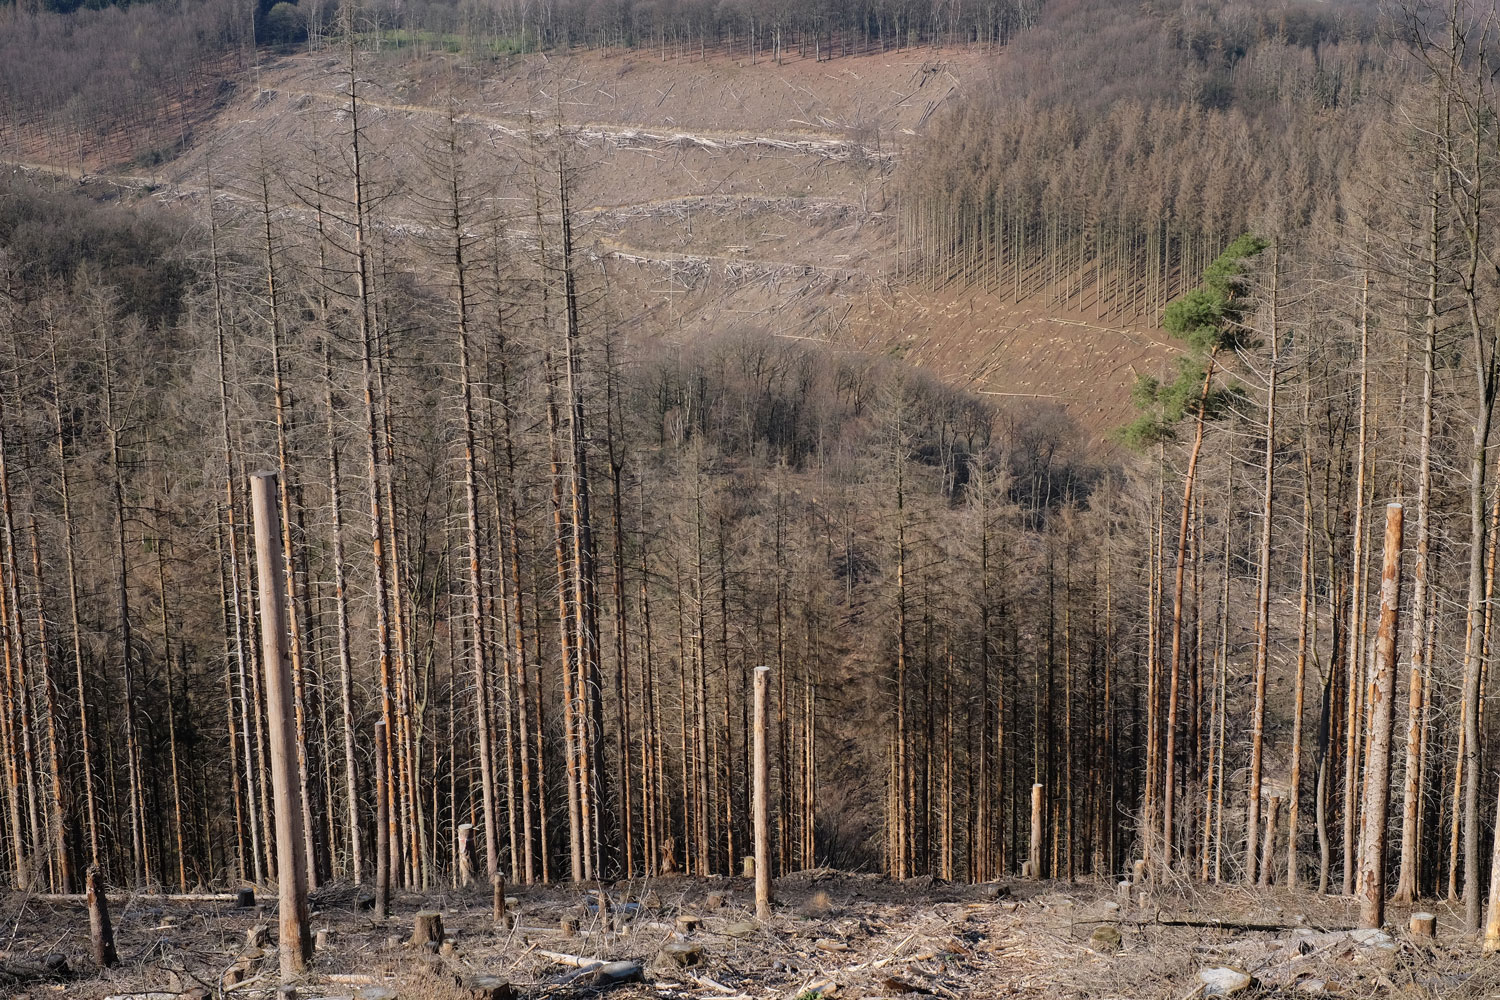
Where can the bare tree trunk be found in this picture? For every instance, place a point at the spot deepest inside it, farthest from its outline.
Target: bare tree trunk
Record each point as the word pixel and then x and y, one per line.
pixel 1355 634
pixel 1305 624
pixel 585 577
pixel 382 822
pixel 1263 594
pixel 166 655
pixel 91 812
pixel 295 942
pixel 341 614
pixel 364 315
pixel 457 247
pixel 1170 753
pixel 1382 691
pixel 140 862
pixel 762 800
pixel 1408 882
pixel 566 635
pixel 59 806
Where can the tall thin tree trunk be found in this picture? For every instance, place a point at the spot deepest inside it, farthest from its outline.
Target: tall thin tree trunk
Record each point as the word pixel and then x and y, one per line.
pixel 1263 593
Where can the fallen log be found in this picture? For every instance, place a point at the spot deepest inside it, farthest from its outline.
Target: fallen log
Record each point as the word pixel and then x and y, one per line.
pixel 144 897
pixel 50 969
pixel 1232 925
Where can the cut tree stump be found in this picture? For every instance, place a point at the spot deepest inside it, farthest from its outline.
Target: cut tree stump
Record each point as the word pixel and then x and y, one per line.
pixel 322 939
pixel 258 936
pixel 465 854
pixel 101 934
pixel 427 929
pixel 568 926
pixel 1423 925
pixel 244 899
pixel 687 923
pixel 1033 867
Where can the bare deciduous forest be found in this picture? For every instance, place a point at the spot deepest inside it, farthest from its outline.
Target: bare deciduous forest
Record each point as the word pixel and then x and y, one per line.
pixel 405 509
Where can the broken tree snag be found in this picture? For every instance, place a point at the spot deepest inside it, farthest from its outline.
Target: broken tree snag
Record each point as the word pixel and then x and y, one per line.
pixel 427 929
pixel 497 898
pixel 100 932
pixel 465 854
pixel 1423 925
pixel 382 827
pixel 1034 855
pixel 762 815
pixel 291 866
pixel 1378 767
pixel 1268 846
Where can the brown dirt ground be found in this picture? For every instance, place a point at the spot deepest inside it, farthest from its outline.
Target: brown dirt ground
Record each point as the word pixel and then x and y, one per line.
pixel 853 936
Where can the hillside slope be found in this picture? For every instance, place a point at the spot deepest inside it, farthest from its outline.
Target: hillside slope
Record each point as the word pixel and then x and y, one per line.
pixel 721 193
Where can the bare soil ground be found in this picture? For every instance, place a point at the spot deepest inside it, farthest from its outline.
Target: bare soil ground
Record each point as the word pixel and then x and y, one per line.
pixel 832 934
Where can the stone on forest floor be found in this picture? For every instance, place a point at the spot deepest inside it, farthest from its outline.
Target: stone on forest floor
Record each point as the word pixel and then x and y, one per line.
pixel 490 988
pixel 1224 981
pixel 1105 939
pixel 682 954
pixel 1370 937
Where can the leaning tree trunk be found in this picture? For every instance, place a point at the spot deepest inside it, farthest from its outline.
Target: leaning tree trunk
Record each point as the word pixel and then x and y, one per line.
pixel 1170 752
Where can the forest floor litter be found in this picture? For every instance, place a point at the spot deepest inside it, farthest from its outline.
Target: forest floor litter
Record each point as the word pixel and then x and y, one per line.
pixel 833 935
